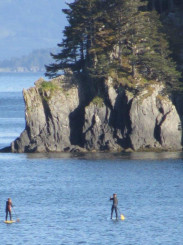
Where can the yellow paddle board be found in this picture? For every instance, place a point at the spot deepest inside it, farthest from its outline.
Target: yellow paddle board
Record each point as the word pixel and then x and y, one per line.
pixel 9 221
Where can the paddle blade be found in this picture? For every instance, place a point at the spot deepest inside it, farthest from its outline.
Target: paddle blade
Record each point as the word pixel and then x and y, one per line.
pixel 18 220
pixel 122 217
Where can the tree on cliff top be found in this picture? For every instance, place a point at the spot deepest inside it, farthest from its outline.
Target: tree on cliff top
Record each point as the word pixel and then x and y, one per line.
pixel 143 43
pixel 97 26
pixel 85 39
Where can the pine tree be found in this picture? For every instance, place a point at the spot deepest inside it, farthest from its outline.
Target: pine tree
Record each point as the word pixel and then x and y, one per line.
pixel 73 47
pixel 85 39
pixel 143 43
pixel 162 5
pixel 103 41
pixel 130 32
pixel 96 27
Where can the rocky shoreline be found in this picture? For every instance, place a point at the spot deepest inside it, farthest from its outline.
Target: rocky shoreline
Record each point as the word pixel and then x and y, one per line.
pixel 60 119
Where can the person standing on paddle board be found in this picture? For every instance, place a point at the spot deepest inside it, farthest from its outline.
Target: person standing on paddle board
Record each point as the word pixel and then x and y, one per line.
pixel 9 205
pixel 114 205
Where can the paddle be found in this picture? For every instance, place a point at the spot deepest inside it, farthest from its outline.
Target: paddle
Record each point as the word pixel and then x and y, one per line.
pixel 17 220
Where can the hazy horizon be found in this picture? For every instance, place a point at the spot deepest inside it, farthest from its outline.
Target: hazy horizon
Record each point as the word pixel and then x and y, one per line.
pixel 27 26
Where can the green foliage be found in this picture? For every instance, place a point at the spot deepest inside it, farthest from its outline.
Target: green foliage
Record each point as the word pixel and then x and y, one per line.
pixel 49 86
pixel 87 40
pixel 115 36
pixel 149 92
pixel 98 101
pixel 47 89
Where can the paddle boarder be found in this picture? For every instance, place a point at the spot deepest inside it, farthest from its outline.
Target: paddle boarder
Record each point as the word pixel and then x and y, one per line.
pixel 9 205
pixel 114 205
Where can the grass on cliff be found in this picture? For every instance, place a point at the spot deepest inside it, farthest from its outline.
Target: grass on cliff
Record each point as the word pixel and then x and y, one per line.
pixel 47 89
pixel 98 101
pixel 49 86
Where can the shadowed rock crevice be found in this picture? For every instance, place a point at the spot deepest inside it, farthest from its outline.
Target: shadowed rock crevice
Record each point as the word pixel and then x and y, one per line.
pixel 76 122
pixel 120 120
pixel 178 102
pixel 48 116
pixel 112 119
pixel 157 129
pixel 157 133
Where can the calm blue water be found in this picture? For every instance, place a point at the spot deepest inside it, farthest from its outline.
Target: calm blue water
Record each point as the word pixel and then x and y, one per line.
pixel 63 199
pixel 12 119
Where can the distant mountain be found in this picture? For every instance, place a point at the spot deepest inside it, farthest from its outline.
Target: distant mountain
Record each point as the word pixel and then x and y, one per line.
pixel 34 62
pixel 29 25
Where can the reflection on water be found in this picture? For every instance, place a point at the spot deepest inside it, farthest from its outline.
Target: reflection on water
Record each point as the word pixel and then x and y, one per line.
pixel 110 156
pixel 96 156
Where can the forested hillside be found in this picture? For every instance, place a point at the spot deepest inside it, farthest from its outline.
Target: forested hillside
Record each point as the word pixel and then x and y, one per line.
pixel 33 62
pixel 130 41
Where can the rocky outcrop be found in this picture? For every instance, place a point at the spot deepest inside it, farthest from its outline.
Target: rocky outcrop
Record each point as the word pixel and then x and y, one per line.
pixel 47 118
pixel 59 119
pixel 98 133
pixel 154 120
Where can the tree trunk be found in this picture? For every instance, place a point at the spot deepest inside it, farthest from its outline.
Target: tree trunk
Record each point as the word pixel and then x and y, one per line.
pixel 120 54
pixel 134 71
pixel 161 6
pixel 170 5
pixel 153 4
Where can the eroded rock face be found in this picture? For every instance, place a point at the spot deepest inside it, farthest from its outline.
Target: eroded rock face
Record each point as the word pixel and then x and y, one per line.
pixel 59 120
pixel 98 133
pixel 154 121
pixel 47 120
pixel 144 121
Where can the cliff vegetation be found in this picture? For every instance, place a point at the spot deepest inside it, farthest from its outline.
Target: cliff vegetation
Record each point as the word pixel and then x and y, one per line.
pixel 130 41
pixel 121 88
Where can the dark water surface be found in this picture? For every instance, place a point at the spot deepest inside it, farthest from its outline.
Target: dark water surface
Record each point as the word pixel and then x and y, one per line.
pixel 63 199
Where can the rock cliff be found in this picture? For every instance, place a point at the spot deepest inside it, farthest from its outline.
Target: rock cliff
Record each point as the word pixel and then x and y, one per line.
pixel 61 119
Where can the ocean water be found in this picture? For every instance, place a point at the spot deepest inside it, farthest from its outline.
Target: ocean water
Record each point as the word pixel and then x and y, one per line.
pixel 63 199
pixel 12 116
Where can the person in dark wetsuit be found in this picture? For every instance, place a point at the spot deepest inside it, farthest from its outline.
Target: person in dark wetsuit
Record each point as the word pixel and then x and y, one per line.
pixel 114 205
pixel 9 205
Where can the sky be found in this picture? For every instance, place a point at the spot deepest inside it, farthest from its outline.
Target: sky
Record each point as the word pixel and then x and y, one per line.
pixel 26 25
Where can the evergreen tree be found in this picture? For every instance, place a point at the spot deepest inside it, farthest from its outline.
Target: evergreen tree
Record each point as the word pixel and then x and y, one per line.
pixel 73 45
pixel 103 41
pixel 143 43
pixel 97 26
pixel 86 40
pixel 162 5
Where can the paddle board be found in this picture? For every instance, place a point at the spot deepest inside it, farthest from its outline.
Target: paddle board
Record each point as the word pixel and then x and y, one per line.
pixel 122 217
pixel 9 221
